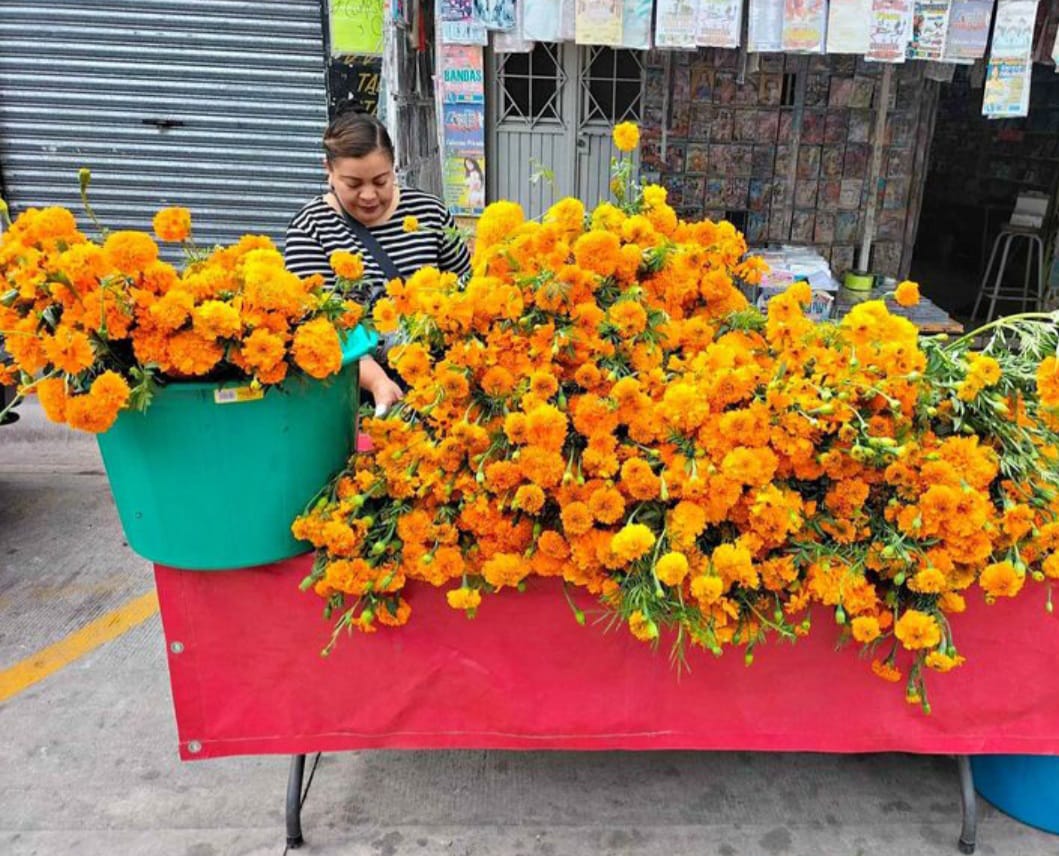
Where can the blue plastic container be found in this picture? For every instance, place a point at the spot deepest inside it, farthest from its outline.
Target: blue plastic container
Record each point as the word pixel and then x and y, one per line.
pixel 211 476
pixel 1023 786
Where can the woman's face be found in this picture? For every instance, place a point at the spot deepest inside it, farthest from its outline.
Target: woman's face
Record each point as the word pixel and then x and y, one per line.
pixel 365 186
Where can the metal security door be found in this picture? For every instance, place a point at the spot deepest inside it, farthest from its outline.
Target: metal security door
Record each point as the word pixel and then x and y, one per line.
pixel 217 105
pixel 551 114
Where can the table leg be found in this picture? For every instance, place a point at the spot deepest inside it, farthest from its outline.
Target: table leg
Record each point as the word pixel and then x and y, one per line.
pixel 969 833
pixel 294 802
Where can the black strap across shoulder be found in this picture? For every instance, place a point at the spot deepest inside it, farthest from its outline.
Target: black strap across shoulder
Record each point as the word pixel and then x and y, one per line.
pixel 368 241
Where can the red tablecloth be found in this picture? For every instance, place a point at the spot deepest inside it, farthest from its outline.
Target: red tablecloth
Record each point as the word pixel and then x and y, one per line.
pixel 249 679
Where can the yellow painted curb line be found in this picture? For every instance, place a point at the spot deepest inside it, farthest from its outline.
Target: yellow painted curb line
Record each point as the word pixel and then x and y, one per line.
pixel 113 624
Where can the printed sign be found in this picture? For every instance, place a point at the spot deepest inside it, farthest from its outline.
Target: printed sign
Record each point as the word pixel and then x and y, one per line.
pixel 356 27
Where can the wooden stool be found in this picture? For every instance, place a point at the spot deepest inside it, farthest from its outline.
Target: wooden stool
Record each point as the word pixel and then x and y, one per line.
pixel 997 290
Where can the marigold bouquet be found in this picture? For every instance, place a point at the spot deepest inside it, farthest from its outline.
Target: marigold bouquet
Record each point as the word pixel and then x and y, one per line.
pixel 94 327
pixel 598 403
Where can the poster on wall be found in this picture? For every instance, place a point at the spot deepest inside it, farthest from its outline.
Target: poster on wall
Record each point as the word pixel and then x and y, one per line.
pixel 968 33
pixel 891 30
pixel 849 26
pixel 598 22
pixel 514 41
pixel 765 26
pixel 930 24
pixel 458 24
pixel 719 23
pixel 355 78
pixel 462 74
pixel 1013 29
pixel 636 24
pixel 495 14
pixel 464 158
pixel 675 22
pixel 355 27
pixel 804 25
pixel 1007 89
pixel 540 20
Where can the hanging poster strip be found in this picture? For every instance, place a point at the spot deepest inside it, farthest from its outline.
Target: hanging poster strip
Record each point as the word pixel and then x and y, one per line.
pixel 458 24
pixel 356 27
pixel 1007 80
pixel 891 30
pixel 514 41
pixel 462 84
pixel 765 26
pixel 636 24
pixel 968 33
pixel 1055 52
pixel 495 14
pixel 675 23
pixel 804 26
pixel 567 20
pixel 719 23
pixel 849 26
pixel 540 20
pixel 598 22
pixel 930 24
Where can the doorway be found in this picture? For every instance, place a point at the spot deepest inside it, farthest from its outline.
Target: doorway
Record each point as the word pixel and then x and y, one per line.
pixel 551 112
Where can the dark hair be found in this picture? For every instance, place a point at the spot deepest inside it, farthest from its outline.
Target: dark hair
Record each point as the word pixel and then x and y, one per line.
pixel 471 165
pixel 354 132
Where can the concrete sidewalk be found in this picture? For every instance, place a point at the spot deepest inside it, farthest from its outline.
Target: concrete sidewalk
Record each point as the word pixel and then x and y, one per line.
pixel 90 764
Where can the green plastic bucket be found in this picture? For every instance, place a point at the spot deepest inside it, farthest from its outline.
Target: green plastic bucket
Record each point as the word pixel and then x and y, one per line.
pixel 211 477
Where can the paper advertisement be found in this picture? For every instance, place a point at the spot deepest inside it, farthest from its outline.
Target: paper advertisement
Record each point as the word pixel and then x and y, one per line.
pixel 636 24
pixel 930 24
pixel 540 20
pixel 804 25
pixel 675 22
pixel 462 75
pixel 598 22
pixel 849 26
pixel 1013 30
pixel 1055 52
pixel 765 26
pixel 463 136
pixel 719 23
pixel 459 25
pixel 1007 89
pixel 968 33
pixel 495 14
pixel 356 27
pixel 891 30
pixel 514 41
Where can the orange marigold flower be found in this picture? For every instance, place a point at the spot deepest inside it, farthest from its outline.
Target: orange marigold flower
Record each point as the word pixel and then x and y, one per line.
pixel 907 293
pixel 346 265
pixel 654 195
pixel 1048 382
pixel 410 224
pixel 629 317
pixel 216 319
pixel 172 309
pixel 577 518
pixel 917 630
pixel 865 628
pixel 263 350
pixel 130 252
pixel 190 355
pixel 543 384
pixel 639 479
pixel 1001 579
pixel 632 541
pixel 172 224
pixel 626 136
pixel 464 598
pixel 607 505
pixel 111 390
pixel 707 590
pixel 316 349
pixel 497 381
pixel 943 662
pixel 394 615
pixel 642 627
pixel 69 350
pixel 529 498
pixel 886 671
pixel 598 252
pixel 505 569
pixel 52 395
pixel 89 413
pixel 672 568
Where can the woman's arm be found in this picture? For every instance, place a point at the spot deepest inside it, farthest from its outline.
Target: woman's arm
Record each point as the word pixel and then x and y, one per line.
pixel 304 255
pixel 374 379
pixel 452 251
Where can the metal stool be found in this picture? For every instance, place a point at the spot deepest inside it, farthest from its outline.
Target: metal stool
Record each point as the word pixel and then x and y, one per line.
pixel 997 290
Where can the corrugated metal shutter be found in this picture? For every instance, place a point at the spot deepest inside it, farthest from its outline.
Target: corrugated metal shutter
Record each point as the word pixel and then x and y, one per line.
pixel 217 105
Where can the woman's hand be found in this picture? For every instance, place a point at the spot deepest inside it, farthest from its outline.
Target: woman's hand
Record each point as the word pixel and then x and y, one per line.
pixel 373 379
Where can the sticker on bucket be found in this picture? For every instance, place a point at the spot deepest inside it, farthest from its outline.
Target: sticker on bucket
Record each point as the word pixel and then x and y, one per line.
pixel 238 394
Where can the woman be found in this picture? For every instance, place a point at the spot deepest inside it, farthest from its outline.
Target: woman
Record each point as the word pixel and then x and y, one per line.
pixel 364 212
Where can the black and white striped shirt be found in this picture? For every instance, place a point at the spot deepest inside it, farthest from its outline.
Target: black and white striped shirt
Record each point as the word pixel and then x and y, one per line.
pixel 318 230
